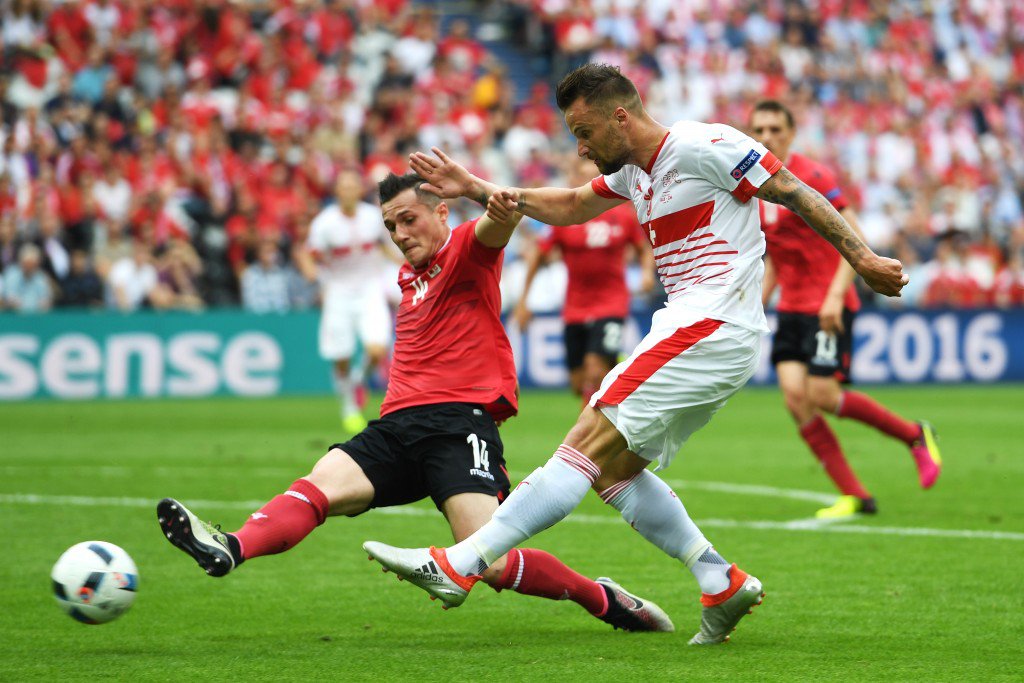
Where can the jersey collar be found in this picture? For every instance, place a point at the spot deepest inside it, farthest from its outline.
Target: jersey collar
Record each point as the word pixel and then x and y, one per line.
pixel 654 157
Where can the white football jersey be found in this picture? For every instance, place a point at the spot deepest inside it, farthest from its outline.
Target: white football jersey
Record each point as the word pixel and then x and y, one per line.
pixel 347 249
pixel 693 200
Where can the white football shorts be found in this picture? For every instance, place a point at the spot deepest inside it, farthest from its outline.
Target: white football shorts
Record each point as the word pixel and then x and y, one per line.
pixel 676 379
pixel 345 320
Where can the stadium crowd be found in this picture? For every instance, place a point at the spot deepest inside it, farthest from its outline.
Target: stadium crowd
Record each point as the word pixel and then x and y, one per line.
pixel 173 154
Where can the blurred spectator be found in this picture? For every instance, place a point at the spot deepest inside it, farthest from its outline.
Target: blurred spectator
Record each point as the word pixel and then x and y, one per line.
pixel 178 271
pixel 133 279
pixel 91 80
pixel 265 283
pixel 55 258
pixel 26 288
pixel 112 194
pixel 82 288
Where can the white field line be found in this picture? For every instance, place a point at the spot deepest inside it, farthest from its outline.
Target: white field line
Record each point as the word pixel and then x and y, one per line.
pixel 813 525
pixel 291 473
pixel 752 490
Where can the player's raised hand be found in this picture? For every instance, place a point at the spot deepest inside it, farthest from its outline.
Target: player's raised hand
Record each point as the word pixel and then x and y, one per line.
pixel 502 205
pixel 445 178
pixel 884 275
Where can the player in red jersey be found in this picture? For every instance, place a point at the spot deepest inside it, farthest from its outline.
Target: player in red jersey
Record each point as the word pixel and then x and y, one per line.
pixel 597 297
pixel 814 340
pixel 452 382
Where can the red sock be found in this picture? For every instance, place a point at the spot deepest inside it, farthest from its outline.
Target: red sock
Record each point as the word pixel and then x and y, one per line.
pixel 863 408
pixel 535 572
pixel 284 521
pixel 822 440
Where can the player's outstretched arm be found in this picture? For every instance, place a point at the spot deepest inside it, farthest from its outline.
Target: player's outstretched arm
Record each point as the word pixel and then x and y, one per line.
pixel 884 275
pixel 449 179
pixel 551 205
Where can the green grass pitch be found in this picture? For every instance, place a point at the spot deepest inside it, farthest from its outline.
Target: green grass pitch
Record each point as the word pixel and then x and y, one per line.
pixel 874 599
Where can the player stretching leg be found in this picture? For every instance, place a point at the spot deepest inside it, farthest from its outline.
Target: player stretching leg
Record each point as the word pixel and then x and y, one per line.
pixel 812 346
pixel 453 379
pixel 346 244
pixel 690 186
pixel 597 297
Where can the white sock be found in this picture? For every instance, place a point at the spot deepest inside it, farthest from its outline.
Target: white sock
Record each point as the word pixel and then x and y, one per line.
pixel 357 374
pixel 544 498
pixel 345 389
pixel 655 511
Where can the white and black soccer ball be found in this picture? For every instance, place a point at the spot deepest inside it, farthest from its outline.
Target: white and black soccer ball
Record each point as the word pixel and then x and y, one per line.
pixel 95 582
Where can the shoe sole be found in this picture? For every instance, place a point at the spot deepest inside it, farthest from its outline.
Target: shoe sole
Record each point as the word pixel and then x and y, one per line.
pixel 177 527
pixel 725 639
pixel 378 552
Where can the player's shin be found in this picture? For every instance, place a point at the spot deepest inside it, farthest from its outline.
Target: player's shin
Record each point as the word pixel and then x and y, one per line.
pixel 284 521
pixel 542 575
pixel 545 497
pixel 655 511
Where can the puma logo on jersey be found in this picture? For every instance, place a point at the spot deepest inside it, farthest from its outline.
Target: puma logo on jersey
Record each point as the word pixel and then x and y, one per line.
pixel 717 140
pixel 421 286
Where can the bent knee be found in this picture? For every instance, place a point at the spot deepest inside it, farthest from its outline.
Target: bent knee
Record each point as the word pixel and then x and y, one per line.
pixel 343 482
pixel 798 404
pixel 824 397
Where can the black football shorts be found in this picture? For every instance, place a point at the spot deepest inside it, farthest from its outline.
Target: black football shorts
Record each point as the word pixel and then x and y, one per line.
pixel 602 336
pixel 799 337
pixel 434 450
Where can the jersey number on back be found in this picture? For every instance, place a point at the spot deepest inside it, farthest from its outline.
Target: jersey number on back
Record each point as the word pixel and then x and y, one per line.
pixel 599 234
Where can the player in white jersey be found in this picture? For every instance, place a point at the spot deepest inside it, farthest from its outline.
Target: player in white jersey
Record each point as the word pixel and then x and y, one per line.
pixel 347 243
pixel 690 185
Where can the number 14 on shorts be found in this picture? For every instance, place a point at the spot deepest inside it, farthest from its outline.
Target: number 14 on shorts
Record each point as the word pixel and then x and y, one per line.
pixel 481 459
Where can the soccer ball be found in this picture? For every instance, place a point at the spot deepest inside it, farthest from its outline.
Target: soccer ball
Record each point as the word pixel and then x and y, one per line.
pixel 95 582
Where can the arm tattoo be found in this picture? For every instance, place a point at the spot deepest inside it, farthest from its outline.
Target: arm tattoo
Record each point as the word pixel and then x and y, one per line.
pixel 481 198
pixel 786 189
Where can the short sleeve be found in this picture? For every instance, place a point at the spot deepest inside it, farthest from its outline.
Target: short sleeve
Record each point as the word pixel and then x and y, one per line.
pixel 467 240
pixel 614 186
pixel 315 242
pixel 735 162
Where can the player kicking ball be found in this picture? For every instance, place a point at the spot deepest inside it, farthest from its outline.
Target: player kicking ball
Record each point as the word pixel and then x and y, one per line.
pixel 690 186
pixel 452 382
pixel 813 344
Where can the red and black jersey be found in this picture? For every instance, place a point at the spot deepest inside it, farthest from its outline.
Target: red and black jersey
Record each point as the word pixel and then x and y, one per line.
pixel 450 345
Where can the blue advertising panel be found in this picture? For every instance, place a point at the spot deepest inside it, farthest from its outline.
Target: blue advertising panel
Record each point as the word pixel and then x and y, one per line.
pixel 889 347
